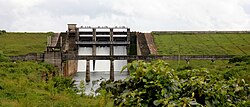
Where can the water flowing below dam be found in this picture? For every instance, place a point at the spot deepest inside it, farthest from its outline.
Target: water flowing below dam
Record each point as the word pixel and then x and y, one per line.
pixel 99 69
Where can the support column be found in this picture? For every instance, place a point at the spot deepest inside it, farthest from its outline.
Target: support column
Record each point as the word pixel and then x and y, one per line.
pixel 128 46
pixel 128 34
pixel 111 53
pixel 94 34
pixel 128 40
pixel 94 46
pixel 77 34
pixel 94 40
pixel 87 71
pixel 112 78
pixel 61 44
pixel 94 50
pixel 65 68
pixel 94 54
pixel 111 34
pixel 111 50
pixel 77 37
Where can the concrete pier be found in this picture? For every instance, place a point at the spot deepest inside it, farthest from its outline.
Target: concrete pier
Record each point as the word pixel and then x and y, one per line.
pixel 87 71
pixel 94 40
pixel 94 46
pixel 128 40
pixel 112 78
pixel 111 39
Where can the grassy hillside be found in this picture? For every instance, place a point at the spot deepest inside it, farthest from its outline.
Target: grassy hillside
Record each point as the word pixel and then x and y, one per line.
pixel 22 43
pixel 30 84
pixel 202 44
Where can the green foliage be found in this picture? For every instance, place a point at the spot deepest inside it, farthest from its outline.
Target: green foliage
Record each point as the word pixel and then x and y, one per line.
pixel 64 83
pixel 50 33
pixel 82 88
pixel 2 31
pixel 32 84
pixel 3 58
pixel 240 59
pixel 240 68
pixel 157 84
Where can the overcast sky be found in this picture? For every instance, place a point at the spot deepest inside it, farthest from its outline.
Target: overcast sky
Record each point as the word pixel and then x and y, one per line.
pixel 139 15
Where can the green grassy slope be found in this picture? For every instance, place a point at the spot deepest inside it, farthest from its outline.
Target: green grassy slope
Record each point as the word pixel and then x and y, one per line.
pixel 21 85
pixel 23 43
pixel 203 44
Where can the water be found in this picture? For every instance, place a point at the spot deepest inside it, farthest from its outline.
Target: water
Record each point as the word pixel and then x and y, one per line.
pixel 96 78
pixel 100 69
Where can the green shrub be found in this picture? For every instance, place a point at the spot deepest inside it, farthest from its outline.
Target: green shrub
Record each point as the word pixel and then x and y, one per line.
pixel 2 31
pixel 64 83
pixel 240 59
pixel 156 84
pixel 50 33
pixel 3 58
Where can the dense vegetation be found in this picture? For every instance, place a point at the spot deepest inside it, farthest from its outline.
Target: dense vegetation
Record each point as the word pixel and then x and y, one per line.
pixel 157 84
pixel 32 84
pixel 202 44
pixel 13 44
pixel 149 84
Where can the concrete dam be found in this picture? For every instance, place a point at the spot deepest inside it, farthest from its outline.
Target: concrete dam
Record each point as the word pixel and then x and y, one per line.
pixel 64 49
pixel 97 49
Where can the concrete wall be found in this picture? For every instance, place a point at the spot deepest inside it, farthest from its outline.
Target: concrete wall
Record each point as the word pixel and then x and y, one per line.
pixel 137 45
pixel 142 45
pixel 69 67
pixel 150 42
pixel 55 59
pixel 66 67
pixel 29 57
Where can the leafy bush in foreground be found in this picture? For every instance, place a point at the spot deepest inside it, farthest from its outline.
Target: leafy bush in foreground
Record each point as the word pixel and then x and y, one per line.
pixel 156 84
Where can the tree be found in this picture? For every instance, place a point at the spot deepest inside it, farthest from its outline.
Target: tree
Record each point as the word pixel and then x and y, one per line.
pixel 2 31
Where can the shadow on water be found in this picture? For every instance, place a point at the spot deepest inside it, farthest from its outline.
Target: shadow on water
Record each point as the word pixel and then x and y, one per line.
pixel 96 79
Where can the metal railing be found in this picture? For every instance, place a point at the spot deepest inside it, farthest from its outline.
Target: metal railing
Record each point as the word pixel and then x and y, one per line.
pixel 153 57
pixel 102 43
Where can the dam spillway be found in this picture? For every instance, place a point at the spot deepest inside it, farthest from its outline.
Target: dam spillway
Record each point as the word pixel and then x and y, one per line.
pixel 101 65
pixel 102 41
pixel 91 44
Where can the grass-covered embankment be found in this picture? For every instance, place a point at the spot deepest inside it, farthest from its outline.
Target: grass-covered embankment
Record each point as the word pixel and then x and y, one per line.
pixel 36 84
pixel 202 44
pixel 13 44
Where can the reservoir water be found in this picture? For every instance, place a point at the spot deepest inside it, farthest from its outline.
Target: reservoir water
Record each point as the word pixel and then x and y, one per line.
pixel 99 69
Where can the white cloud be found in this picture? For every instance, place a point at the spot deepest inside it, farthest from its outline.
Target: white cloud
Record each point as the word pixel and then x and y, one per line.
pixel 140 15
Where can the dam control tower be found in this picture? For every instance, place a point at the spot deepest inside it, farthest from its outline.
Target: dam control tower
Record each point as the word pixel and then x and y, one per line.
pixel 93 42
